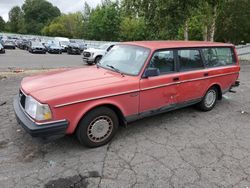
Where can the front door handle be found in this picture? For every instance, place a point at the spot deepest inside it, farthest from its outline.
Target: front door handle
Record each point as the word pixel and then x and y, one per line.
pixel 176 79
pixel 206 74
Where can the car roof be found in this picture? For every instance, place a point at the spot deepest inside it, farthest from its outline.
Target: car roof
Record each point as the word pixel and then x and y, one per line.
pixel 176 44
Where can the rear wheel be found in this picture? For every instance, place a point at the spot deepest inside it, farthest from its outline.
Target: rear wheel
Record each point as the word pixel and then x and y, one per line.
pixel 209 100
pixel 98 127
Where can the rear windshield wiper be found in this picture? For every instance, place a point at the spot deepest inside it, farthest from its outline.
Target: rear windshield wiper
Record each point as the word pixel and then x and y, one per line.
pixel 115 69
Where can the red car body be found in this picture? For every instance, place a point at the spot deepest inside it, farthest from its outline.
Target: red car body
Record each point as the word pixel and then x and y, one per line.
pixel 72 93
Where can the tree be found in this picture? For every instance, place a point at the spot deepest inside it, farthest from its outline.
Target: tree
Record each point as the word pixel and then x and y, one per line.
pixel 132 29
pixel 233 22
pixel 2 24
pixel 15 17
pixel 67 25
pixel 104 22
pixel 38 13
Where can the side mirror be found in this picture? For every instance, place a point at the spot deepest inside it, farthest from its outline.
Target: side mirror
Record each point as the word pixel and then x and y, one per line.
pixel 151 72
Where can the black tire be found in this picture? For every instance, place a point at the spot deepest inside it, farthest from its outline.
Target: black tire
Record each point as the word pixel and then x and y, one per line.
pixel 90 63
pixel 89 125
pixel 98 59
pixel 213 94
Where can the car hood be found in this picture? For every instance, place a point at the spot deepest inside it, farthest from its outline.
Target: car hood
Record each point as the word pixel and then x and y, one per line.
pixel 94 50
pixel 74 84
pixel 38 47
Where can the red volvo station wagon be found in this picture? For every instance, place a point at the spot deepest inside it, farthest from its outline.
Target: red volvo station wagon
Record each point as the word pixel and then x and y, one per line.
pixel 134 80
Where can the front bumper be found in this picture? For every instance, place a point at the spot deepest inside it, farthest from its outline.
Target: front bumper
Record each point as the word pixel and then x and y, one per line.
pixel 50 130
pixel 88 60
pixel 38 50
pixel 57 51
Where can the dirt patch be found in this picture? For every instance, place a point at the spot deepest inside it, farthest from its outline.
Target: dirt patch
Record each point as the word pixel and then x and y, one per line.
pixel 77 181
pixel 3 144
pixel 30 154
pixel 73 181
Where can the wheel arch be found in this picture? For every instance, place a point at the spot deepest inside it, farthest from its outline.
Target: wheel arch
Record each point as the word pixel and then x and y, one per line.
pixel 218 87
pixel 112 106
pixel 99 55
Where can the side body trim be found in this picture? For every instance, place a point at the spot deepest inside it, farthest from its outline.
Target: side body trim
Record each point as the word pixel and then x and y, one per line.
pixel 144 89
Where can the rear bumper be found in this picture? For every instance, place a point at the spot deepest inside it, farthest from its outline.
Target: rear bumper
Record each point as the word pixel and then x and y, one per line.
pixel 236 84
pixel 50 130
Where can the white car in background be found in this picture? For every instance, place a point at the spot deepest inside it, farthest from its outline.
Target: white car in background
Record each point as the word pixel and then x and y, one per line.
pixel 94 55
pixel 2 50
pixel 63 42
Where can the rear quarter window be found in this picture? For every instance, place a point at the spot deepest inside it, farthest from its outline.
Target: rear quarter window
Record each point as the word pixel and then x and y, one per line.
pixel 189 59
pixel 216 57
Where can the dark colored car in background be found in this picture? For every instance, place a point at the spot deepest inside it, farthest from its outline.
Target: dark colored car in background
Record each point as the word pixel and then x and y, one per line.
pixel 37 47
pixel 54 48
pixel 8 44
pixel 2 50
pixel 73 48
pixel 24 44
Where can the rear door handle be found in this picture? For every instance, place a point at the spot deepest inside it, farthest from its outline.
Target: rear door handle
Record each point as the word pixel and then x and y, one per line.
pixel 176 79
pixel 206 74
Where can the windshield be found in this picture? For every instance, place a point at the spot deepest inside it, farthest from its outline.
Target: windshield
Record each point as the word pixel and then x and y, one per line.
pixel 54 45
pixel 64 42
pixel 37 44
pixel 126 59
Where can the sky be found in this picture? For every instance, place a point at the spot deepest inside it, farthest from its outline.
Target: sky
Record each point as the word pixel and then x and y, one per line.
pixel 65 6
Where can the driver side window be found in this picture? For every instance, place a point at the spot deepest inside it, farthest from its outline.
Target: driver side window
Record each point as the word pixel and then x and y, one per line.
pixel 163 61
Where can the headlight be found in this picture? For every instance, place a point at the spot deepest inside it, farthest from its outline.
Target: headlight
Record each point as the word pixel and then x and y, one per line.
pixel 40 112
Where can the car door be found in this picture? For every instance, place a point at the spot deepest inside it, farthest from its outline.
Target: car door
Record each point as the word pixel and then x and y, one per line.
pixel 159 92
pixel 192 75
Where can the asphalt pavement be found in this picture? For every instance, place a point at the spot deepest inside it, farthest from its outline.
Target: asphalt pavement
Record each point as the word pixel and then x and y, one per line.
pixel 22 59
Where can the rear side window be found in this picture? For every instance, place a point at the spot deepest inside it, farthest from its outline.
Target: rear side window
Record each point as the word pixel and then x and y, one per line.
pixel 215 57
pixel 189 59
pixel 164 61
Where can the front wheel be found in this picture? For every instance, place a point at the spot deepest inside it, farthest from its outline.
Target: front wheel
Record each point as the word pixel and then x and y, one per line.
pixel 209 100
pixel 98 127
pixel 98 59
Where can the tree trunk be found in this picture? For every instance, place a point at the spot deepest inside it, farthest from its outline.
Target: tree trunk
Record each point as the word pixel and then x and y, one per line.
pixel 213 25
pixel 205 37
pixel 186 31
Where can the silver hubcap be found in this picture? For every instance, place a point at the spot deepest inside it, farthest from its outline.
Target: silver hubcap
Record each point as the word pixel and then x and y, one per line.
pixel 210 98
pixel 100 129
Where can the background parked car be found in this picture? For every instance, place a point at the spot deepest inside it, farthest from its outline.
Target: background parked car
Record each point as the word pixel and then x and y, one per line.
pixel 2 50
pixel 37 47
pixel 81 44
pixel 63 42
pixel 9 44
pixel 54 48
pixel 94 55
pixel 23 44
pixel 73 48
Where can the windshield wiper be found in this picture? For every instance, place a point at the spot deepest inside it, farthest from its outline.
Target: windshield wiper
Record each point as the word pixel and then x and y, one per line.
pixel 115 69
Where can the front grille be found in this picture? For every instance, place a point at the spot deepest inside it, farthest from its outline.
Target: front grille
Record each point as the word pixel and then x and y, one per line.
pixel 22 98
pixel 86 54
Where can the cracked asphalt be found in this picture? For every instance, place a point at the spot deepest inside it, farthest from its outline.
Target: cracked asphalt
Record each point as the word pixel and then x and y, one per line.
pixel 183 148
